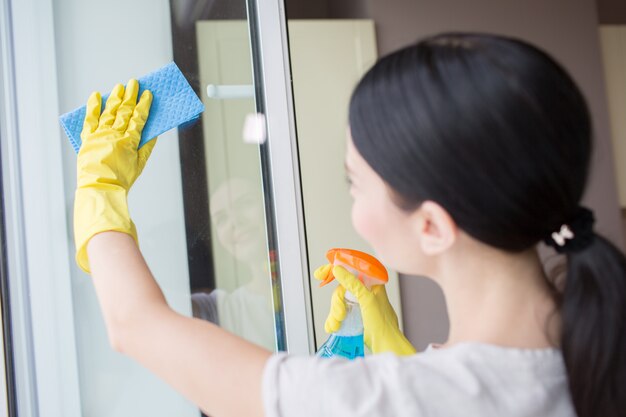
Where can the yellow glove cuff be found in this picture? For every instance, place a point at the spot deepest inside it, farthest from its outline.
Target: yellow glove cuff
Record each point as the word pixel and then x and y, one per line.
pixel 99 210
pixel 395 342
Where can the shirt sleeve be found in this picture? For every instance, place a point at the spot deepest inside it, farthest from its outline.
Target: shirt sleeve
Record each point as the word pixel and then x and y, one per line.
pixel 306 386
pixel 205 306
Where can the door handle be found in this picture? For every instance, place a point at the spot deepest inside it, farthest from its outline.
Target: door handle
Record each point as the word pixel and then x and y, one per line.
pixel 224 92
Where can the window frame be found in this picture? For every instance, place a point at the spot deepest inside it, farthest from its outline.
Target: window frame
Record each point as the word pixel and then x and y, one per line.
pixel 39 331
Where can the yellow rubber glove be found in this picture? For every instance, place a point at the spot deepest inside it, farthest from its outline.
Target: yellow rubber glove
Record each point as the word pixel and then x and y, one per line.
pixel 381 332
pixel 108 164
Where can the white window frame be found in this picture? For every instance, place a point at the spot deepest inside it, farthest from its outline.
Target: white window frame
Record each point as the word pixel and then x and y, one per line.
pixel 284 167
pixel 39 262
pixel 44 348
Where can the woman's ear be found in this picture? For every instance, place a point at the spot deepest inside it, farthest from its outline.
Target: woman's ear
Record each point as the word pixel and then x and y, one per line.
pixel 436 230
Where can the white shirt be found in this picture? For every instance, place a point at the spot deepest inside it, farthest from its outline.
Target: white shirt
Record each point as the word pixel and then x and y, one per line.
pixel 243 312
pixel 468 379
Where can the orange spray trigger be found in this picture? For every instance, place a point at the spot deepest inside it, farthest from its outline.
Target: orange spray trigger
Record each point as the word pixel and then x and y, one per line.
pixel 324 274
pixel 329 278
pixel 368 269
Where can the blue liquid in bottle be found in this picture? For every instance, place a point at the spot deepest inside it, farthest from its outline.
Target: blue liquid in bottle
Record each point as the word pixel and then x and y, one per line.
pixel 348 340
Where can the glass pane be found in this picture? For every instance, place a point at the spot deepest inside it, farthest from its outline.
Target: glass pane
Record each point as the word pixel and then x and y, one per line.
pixel 330 47
pixel 242 288
pixel 199 206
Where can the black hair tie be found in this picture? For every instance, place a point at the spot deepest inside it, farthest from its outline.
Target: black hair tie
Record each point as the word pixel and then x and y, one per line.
pixel 575 235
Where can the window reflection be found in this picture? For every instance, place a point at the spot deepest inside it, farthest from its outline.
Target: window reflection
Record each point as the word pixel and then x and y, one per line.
pixel 230 268
pixel 237 216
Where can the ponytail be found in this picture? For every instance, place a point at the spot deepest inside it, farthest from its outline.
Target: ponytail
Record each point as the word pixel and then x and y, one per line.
pixel 593 340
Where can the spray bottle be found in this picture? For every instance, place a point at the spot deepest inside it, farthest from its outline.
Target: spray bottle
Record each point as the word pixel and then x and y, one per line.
pixel 348 340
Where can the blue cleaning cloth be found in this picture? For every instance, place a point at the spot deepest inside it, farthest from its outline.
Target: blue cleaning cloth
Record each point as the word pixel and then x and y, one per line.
pixel 174 103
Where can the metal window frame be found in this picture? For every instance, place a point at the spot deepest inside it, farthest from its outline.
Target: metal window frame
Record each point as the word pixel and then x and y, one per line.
pixel 19 372
pixel 270 38
pixel 43 344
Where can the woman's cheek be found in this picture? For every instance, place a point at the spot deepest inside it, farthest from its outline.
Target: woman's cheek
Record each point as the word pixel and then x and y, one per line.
pixel 364 223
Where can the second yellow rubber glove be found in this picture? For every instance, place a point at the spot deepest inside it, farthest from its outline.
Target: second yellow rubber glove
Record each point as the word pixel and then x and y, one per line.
pixel 108 164
pixel 380 322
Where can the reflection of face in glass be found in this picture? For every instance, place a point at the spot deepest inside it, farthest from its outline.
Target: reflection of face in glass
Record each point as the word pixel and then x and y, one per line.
pixel 243 303
pixel 238 218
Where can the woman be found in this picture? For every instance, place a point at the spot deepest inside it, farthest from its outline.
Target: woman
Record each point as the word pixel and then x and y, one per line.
pixel 466 150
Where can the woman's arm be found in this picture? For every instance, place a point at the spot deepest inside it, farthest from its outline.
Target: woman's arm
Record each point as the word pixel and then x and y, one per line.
pixel 216 370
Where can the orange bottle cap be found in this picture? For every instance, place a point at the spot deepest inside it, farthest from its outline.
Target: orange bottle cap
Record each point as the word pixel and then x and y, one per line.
pixel 360 263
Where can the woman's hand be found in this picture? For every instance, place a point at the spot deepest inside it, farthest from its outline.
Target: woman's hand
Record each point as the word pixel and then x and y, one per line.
pixel 108 164
pixel 380 322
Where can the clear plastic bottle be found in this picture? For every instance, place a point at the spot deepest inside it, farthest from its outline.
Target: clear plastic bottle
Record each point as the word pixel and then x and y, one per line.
pixel 348 340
